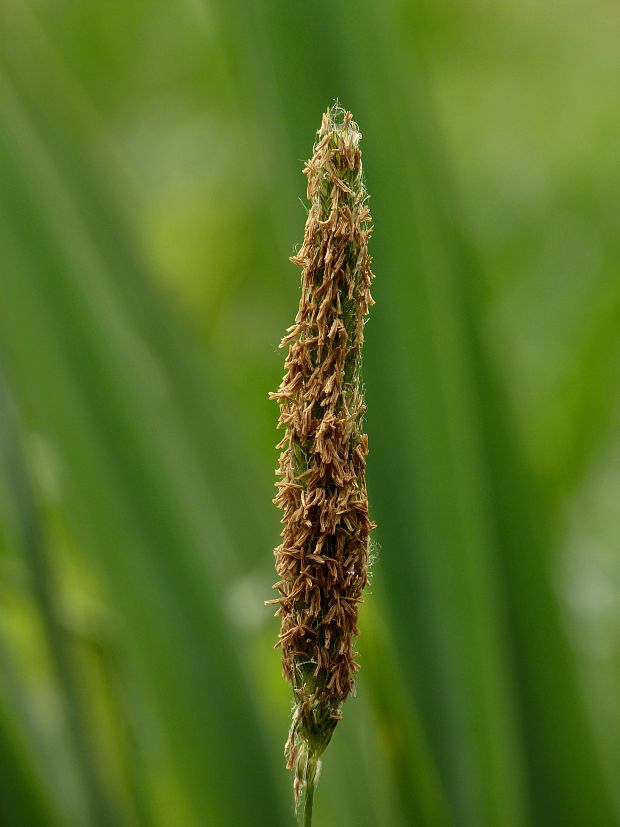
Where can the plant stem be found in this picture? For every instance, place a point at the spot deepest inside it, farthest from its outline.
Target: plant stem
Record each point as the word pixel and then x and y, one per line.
pixel 308 806
pixel 309 796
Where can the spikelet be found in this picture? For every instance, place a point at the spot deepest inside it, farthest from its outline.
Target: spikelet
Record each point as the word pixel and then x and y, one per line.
pixel 322 561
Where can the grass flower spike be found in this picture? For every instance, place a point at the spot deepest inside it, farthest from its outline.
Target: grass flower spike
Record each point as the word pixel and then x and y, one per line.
pixel 322 561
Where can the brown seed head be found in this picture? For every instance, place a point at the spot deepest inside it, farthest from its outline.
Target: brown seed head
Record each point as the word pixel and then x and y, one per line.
pixel 322 561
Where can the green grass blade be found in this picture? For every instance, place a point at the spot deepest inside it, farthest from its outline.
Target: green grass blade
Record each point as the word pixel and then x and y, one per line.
pixel 22 800
pixel 136 495
pixel 101 810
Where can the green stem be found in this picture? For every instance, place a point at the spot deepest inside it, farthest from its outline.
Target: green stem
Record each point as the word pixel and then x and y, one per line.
pixel 309 797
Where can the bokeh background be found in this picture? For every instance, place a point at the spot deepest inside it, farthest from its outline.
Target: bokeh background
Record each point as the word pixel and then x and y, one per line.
pixel 150 188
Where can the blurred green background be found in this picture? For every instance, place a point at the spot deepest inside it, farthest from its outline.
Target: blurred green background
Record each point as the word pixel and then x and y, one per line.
pixel 150 186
